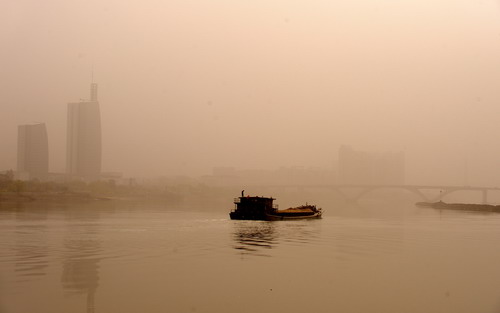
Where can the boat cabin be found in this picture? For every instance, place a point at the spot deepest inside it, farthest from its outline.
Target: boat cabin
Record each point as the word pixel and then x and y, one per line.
pixel 252 208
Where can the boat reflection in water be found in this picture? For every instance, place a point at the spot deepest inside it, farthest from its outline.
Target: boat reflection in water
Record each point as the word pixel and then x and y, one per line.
pixel 259 237
pixel 255 237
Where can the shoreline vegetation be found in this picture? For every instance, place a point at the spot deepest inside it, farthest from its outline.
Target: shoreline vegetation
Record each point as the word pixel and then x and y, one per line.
pixel 80 191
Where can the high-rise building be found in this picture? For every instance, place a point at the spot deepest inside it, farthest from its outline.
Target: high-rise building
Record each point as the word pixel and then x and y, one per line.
pixel 83 152
pixel 32 152
pixel 362 168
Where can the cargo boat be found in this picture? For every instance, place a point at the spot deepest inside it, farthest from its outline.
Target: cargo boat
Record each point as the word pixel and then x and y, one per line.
pixel 262 208
pixel 460 206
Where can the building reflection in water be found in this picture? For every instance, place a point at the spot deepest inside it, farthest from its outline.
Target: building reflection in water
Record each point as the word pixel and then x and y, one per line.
pixel 254 237
pixel 30 249
pixel 82 254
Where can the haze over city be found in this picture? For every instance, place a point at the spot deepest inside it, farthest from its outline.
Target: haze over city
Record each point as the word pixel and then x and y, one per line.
pixel 188 86
pixel 250 156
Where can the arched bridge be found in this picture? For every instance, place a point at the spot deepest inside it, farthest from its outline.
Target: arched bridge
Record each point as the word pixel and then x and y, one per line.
pixel 356 192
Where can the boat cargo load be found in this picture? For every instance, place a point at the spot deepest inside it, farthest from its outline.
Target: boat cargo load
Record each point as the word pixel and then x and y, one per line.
pixel 262 208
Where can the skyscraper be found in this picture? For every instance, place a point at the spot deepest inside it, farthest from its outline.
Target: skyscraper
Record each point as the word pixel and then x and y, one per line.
pixel 83 153
pixel 32 151
pixel 363 168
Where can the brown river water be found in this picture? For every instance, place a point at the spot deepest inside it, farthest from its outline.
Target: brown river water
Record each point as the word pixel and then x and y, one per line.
pixel 122 257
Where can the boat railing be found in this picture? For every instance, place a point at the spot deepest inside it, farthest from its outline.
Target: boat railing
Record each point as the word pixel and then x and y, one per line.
pixel 237 200
pixel 276 206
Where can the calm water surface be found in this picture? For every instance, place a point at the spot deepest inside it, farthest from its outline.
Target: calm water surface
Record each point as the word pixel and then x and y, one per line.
pixel 118 257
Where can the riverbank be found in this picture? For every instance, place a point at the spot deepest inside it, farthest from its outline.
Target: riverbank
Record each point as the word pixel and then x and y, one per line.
pixel 7 196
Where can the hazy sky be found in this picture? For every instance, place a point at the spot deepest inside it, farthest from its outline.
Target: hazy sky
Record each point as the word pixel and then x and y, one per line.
pixel 188 85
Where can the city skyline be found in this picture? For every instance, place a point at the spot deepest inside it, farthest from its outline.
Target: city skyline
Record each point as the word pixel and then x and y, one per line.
pixel 216 156
pixel 263 85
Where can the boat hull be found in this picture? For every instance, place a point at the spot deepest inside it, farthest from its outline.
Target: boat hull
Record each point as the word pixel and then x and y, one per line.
pixel 272 217
pixel 460 206
pixel 262 209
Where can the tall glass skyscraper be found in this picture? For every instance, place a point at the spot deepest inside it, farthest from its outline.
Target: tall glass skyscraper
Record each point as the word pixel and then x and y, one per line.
pixel 83 153
pixel 32 152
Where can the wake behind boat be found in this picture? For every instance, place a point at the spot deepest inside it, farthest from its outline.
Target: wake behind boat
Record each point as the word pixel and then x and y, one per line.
pixel 262 208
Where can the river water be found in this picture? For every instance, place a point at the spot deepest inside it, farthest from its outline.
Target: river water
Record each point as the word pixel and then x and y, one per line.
pixel 121 257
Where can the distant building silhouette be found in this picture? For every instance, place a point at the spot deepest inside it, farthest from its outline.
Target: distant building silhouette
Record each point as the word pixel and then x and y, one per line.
pixel 296 175
pixel 83 152
pixel 362 168
pixel 32 152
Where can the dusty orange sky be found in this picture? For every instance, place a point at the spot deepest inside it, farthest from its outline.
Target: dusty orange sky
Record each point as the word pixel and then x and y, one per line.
pixel 188 85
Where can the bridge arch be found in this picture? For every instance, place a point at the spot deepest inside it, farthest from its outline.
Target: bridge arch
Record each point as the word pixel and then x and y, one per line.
pixel 417 190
